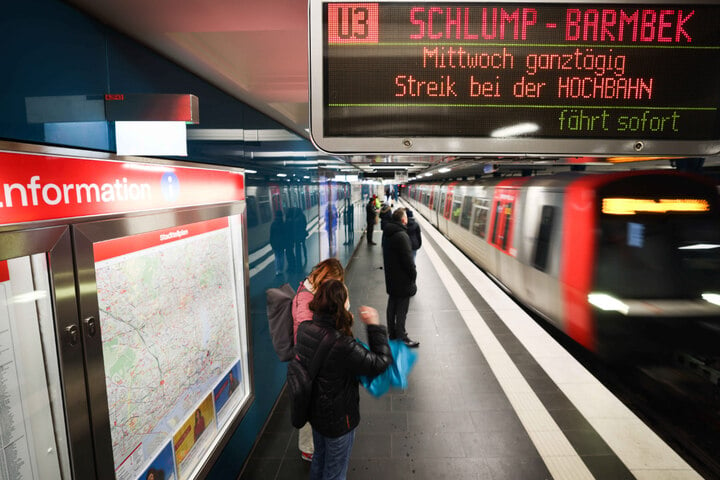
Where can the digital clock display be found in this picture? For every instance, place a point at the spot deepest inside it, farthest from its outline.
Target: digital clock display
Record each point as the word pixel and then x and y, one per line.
pixel 516 78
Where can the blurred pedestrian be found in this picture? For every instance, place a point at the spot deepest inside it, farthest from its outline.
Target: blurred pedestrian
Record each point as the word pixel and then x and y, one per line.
pixel 278 241
pixel 371 214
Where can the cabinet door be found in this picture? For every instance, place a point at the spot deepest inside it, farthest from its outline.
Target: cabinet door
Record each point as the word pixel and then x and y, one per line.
pixel 43 419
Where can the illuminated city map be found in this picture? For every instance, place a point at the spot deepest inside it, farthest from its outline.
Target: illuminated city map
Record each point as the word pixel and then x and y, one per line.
pixel 170 329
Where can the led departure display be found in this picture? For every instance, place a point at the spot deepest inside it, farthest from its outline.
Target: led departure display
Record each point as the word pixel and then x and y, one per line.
pixel 644 76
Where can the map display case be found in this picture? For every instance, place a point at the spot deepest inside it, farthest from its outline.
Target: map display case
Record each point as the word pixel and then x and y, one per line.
pixel 124 333
pixel 166 292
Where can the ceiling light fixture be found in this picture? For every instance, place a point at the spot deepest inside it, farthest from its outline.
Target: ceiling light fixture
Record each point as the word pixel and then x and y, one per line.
pixel 515 130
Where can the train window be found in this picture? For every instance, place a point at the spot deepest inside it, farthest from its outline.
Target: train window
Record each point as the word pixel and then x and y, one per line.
pixel 658 256
pixel 542 243
pixel 496 223
pixel 456 209
pixel 508 222
pixel 252 212
pixel 480 215
pixel 442 204
pixel 263 205
pixel 466 212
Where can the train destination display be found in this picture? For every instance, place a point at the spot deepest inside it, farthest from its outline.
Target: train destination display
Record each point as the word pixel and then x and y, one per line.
pixel 411 76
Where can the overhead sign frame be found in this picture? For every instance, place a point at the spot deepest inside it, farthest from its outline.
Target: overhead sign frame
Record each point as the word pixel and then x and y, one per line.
pixel 381 80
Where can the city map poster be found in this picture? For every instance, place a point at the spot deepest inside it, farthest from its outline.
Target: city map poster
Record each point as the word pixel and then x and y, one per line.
pixel 163 467
pixel 224 396
pixel 169 303
pixel 194 433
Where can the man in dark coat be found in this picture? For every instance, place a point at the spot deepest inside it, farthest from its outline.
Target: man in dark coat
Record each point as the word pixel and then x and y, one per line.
pixel 413 230
pixel 385 215
pixel 371 212
pixel 400 275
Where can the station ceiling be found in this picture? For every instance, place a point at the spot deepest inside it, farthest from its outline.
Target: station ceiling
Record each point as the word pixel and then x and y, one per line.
pixel 257 51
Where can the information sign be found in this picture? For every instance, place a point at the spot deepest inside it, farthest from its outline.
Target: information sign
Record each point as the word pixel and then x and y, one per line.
pixel 515 78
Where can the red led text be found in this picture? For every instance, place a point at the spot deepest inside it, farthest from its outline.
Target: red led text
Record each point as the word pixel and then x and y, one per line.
pixel 409 86
pixel 617 25
pixel 435 23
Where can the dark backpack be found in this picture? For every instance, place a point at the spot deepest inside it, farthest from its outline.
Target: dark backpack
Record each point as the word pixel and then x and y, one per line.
pixel 280 320
pixel 300 380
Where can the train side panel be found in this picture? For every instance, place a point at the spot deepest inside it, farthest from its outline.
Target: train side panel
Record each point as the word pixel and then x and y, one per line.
pixel 539 245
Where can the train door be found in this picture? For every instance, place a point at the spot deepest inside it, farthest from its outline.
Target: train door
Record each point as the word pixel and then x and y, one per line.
pixel 505 202
pixel 275 198
pixel 447 201
pixel 295 197
pixel 479 217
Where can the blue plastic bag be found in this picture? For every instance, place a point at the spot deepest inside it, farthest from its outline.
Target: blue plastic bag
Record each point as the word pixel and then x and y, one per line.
pixel 397 372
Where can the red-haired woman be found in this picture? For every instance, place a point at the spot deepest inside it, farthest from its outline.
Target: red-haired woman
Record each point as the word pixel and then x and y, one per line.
pixel 330 268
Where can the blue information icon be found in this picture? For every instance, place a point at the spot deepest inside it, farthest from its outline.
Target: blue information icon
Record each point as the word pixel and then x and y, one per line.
pixel 170 186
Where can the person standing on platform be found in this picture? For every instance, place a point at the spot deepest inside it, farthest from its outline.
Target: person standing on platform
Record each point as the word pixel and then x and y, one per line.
pixel 413 230
pixel 328 269
pixel 371 213
pixel 299 233
pixel 278 241
pixel 400 275
pixel 289 244
pixel 334 411
pixel 385 215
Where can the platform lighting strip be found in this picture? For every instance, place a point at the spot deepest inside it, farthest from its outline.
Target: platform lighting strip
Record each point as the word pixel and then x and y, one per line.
pixel 632 206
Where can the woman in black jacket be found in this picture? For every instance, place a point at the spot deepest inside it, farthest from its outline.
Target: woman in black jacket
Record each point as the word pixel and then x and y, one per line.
pixel 335 403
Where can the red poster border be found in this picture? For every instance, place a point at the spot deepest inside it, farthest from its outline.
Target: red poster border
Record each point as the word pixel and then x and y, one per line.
pixel 122 246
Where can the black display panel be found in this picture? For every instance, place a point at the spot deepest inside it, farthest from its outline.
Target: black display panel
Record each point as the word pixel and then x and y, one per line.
pixel 516 78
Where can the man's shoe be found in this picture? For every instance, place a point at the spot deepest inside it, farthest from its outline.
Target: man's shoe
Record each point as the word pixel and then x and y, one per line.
pixel 410 343
pixel 372 243
pixel 306 456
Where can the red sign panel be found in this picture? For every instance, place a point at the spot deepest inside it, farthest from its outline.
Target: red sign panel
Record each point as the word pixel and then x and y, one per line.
pixel 124 245
pixel 4 273
pixel 39 187
pixel 353 23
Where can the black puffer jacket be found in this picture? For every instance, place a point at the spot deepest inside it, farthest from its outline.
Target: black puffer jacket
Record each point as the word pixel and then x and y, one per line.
pixel 335 404
pixel 413 231
pixel 400 272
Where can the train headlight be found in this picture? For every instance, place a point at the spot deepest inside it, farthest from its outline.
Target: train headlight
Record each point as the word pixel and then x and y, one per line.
pixel 712 298
pixel 607 302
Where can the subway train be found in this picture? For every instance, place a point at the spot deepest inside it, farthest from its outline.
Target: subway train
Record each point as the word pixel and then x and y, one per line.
pixel 622 263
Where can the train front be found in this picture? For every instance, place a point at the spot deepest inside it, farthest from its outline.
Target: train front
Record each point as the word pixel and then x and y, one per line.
pixel 652 266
